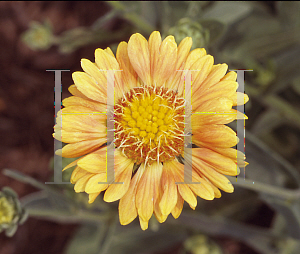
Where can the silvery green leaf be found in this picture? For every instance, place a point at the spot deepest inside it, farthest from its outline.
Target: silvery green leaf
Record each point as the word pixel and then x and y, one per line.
pixel 228 12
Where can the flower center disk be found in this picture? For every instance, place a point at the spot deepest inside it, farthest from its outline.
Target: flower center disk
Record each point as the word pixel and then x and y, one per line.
pixel 149 124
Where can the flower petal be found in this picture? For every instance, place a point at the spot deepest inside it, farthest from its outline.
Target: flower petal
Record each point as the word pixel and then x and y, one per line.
pixel 178 207
pixel 169 197
pixel 96 183
pixel 182 53
pixel 138 52
pixel 147 190
pixel 81 182
pixel 106 62
pixel 88 86
pixel 127 207
pixel 214 136
pixel 166 60
pixel 129 75
pixel 81 148
pixel 116 191
pixel 154 46
pixel 220 163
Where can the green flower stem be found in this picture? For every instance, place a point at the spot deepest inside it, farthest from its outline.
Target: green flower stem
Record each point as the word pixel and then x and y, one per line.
pixel 266 188
pixel 110 234
pixel 132 17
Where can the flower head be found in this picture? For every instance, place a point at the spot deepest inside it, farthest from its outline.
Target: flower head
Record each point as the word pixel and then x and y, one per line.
pixel 11 212
pixel 149 127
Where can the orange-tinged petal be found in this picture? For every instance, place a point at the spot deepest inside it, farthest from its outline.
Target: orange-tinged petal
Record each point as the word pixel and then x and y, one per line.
pixel 163 69
pixel 221 89
pixel 138 52
pixel 77 101
pixel 78 118
pixel 214 136
pixel 194 62
pixel 182 53
pixel 202 69
pixel 154 46
pixel 169 197
pixel 129 75
pixel 220 163
pixel 213 176
pixel 178 207
pixel 81 148
pixel 127 207
pixel 218 71
pixel 199 186
pixel 184 189
pixel 147 190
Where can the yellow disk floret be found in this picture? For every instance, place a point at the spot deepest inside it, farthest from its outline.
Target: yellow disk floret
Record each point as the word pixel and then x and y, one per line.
pixel 147 128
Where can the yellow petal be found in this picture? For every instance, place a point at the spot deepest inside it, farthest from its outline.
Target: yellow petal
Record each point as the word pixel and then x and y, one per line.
pixel 182 53
pixel 94 163
pixel 96 184
pixel 77 101
pixel 81 148
pixel 147 190
pixel 116 191
pixel 129 75
pixel 127 208
pixel 109 51
pixel 218 71
pixel 231 76
pixel 239 99
pixel 166 61
pixel 74 91
pixel 81 182
pixel 213 176
pixel 178 207
pixel 214 136
pixel 107 62
pixel 144 224
pixel 221 89
pixel 138 52
pixel 169 197
pixel 220 163
pixel 183 188
pixel 93 196
pixel 87 86
pixel 154 46
pixel 194 62
pixel 77 174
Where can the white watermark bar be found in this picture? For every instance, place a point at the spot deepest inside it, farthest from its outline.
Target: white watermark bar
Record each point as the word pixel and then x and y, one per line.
pixel 187 128
pixel 57 144
pixel 110 158
pixel 240 123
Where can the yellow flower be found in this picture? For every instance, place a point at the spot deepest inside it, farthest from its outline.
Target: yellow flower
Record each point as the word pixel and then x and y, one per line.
pixel 149 125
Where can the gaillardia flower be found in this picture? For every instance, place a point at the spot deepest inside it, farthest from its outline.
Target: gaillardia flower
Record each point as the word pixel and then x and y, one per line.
pixel 149 127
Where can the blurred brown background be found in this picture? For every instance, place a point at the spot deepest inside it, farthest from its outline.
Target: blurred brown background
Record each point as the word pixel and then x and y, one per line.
pixel 26 106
